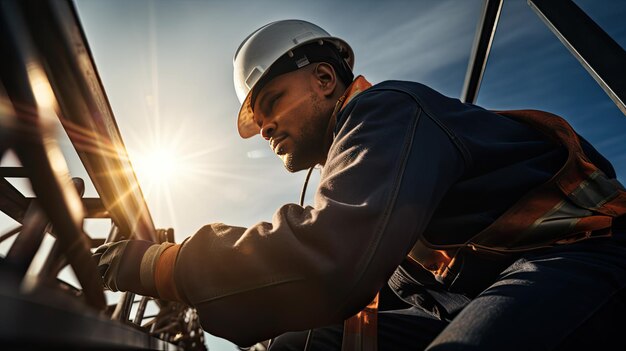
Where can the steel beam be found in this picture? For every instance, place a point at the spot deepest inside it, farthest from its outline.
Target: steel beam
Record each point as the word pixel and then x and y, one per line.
pixel 483 39
pixel 13 172
pixel 38 151
pixel 12 202
pixel 602 57
pixel 85 112
pixel 27 243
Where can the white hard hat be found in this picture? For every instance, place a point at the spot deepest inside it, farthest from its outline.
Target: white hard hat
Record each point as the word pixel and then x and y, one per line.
pixel 262 48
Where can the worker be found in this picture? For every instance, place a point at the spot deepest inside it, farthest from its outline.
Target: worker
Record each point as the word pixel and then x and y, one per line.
pixel 476 229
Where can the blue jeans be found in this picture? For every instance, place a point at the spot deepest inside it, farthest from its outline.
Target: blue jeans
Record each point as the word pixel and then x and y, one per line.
pixel 569 297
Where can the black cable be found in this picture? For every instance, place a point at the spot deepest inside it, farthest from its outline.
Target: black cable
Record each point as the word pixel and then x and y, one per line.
pixel 309 337
pixel 306 184
pixel 307 343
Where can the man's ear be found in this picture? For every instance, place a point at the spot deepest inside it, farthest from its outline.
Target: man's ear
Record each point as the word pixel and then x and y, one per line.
pixel 325 78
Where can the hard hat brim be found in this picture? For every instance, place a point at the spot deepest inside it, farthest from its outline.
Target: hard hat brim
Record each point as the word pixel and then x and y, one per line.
pixel 245 121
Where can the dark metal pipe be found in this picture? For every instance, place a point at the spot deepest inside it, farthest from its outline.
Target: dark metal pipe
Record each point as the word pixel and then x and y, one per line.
pixel 27 243
pixel 602 57
pixel 10 233
pixel 483 39
pixel 12 202
pixel 13 172
pixel 122 310
pixel 141 310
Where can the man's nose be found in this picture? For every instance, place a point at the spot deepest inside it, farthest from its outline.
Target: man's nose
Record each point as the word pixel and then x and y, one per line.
pixel 268 129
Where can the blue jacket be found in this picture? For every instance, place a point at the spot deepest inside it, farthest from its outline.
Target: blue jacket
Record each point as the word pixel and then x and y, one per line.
pixel 405 162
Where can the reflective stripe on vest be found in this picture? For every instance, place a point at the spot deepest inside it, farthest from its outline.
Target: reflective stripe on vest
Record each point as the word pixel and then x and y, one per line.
pixel 579 202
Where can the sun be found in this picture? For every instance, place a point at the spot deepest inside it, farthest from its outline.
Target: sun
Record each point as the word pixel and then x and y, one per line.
pixel 170 167
pixel 159 165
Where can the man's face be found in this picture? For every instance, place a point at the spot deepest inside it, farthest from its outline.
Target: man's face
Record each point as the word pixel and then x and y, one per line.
pixel 293 115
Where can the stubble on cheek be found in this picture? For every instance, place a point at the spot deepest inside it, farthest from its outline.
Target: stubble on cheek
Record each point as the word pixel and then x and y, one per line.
pixel 308 144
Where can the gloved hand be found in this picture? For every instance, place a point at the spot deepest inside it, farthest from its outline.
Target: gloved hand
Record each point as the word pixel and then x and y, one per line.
pixel 119 264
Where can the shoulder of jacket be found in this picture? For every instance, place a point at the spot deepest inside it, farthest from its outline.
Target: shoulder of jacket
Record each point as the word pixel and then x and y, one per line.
pixel 389 95
pixel 397 85
pixel 389 88
pixel 392 87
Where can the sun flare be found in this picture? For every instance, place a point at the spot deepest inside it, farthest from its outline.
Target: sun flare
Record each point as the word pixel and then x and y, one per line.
pixel 159 165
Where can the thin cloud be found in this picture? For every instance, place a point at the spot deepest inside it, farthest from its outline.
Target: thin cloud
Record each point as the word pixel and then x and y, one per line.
pixel 437 37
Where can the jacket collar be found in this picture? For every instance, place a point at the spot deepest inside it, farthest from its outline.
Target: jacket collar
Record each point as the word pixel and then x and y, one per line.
pixel 359 85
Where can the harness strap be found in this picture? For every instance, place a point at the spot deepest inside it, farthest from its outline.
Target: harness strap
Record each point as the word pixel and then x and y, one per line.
pixel 579 202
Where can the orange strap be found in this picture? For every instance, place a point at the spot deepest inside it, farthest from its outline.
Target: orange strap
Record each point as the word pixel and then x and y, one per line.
pixel 164 274
pixel 577 203
pixel 360 330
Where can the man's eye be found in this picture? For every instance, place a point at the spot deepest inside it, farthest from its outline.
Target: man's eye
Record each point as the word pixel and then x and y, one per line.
pixel 273 102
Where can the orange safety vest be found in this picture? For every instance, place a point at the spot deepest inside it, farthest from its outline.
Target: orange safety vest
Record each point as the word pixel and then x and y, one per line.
pixel 579 202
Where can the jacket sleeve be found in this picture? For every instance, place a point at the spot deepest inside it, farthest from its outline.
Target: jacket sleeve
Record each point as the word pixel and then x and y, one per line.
pixel 387 169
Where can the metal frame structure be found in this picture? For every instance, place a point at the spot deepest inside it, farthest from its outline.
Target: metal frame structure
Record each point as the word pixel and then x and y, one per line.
pixel 600 55
pixel 47 72
pixel 483 39
pixel 86 114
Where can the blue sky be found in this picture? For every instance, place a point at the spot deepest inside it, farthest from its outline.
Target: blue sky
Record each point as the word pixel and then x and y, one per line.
pixel 167 69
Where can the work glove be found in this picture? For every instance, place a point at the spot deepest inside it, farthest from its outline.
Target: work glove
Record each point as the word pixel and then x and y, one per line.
pixel 140 266
pixel 119 264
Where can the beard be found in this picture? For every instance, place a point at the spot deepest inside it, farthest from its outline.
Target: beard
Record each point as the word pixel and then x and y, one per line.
pixel 309 144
